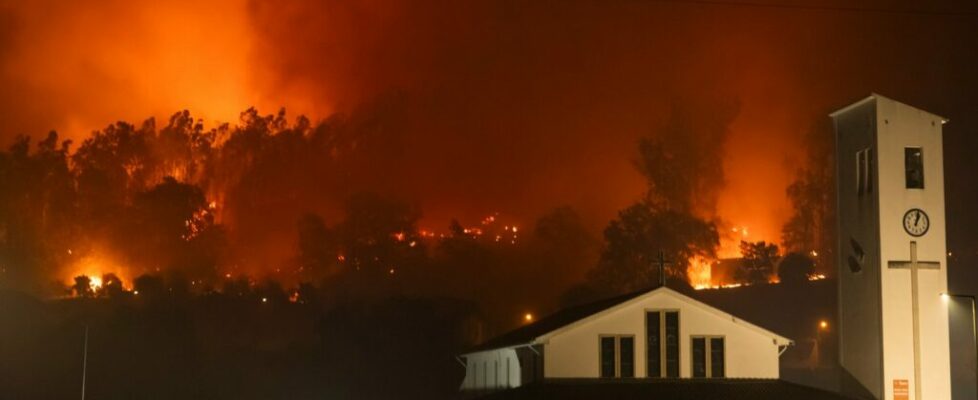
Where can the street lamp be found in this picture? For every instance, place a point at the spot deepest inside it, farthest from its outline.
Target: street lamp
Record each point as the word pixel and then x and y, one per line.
pixel 816 351
pixel 974 323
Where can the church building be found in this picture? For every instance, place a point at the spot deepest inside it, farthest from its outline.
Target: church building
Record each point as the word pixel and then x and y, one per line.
pixel 893 327
pixel 893 322
pixel 658 333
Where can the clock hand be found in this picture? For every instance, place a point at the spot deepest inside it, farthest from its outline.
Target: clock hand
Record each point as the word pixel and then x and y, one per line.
pixel 915 221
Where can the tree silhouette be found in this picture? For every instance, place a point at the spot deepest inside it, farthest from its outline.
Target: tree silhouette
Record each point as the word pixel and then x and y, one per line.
pixel 318 248
pixel 758 262
pixel 83 286
pixel 682 160
pixel 562 247
pixel 683 170
pixel 795 268
pixel 379 234
pixel 811 224
pixel 149 287
pixel 111 287
pixel 37 210
pixel 635 238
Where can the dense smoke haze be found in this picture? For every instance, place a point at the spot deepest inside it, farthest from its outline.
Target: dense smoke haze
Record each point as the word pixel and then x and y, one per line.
pixel 466 109
pixel 257 199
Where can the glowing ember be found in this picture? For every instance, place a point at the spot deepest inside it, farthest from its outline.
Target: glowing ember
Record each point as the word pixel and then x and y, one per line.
pixel 98 267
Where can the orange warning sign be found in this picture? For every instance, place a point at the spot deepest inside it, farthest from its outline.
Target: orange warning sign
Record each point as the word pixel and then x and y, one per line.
pixel 901 389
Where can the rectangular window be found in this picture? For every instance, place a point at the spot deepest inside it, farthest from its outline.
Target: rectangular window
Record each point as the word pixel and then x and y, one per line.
pixel 708 357
pixel 913 161
pixel 699 357
pixel 662 339
pixel 617 356
pixel 608 361
pixel 864 171
pixel 717 357
pixel 868 176
pixel 653 348
pixel 626 352
pixel 672 344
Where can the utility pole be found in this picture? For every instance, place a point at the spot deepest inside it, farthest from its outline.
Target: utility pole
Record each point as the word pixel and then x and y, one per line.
pixel 84 363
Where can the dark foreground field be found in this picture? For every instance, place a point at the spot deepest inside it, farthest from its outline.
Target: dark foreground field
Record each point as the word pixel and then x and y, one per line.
pixel 224 347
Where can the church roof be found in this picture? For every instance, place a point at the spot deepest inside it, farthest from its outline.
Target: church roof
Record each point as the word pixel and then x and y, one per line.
pixel 673 389
pixel 527 334
pixel 563 319
pixel 876 97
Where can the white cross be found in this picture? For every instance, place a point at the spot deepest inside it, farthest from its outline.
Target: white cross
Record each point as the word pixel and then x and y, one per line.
pixel 915 265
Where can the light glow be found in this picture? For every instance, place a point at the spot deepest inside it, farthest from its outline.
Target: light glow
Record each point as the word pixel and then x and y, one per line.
pixel 95 282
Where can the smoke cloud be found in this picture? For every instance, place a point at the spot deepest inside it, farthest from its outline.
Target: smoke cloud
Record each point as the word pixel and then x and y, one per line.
pixel 487 106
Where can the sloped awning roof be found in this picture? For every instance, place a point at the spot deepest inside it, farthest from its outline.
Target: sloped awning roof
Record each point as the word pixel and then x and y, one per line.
pixel 672 389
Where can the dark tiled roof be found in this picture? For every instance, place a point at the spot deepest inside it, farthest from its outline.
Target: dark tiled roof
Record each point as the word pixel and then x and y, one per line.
pixel 669 389
pixel 528 333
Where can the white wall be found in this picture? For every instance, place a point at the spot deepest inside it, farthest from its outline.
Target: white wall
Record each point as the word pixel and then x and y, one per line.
pixel 573 352
pixel 486 370
pixel 902 126
pixel 876 330
pixel 860 315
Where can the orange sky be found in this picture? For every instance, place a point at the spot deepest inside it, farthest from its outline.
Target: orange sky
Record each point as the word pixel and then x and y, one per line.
pixel 543 104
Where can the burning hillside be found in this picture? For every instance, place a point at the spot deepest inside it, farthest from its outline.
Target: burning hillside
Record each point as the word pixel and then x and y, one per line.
pixel 411 113
pixel 270 199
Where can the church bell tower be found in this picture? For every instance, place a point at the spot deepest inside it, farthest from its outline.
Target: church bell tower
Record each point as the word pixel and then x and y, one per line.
pixel 893 321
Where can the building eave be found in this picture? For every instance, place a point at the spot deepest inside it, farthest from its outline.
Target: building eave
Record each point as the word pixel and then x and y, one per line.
pixel 876 96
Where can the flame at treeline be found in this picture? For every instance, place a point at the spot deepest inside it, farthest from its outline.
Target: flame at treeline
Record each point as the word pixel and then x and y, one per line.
pixel 208 205
pixel 411 109
pixel 266 199
pixel 212 204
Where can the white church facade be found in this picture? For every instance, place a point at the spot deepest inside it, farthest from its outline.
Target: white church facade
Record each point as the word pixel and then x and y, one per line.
pixel 893 322
pixel 658 333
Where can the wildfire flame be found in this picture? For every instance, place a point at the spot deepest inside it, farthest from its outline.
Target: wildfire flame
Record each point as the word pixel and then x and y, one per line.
pixel 95 281
pixel 699 273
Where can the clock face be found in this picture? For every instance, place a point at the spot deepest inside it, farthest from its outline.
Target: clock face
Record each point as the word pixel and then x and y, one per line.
pixel 915 222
